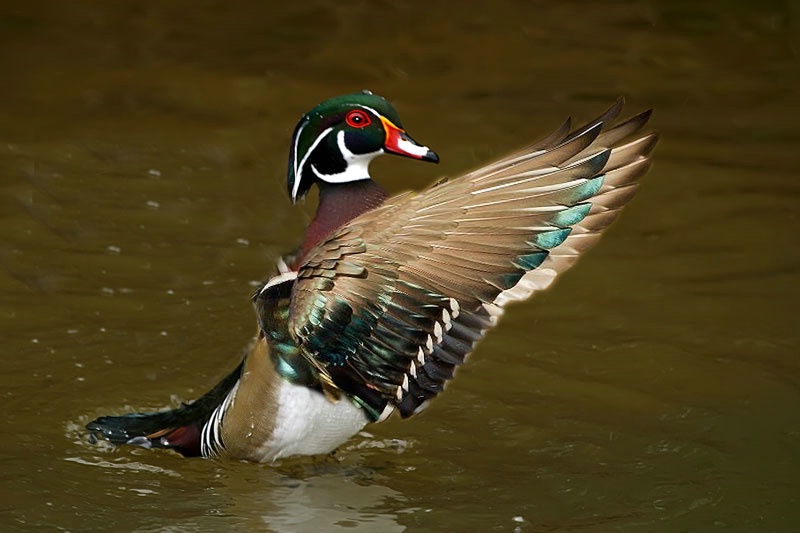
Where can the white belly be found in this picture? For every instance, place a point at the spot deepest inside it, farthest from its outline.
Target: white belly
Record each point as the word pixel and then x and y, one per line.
pixel 307 423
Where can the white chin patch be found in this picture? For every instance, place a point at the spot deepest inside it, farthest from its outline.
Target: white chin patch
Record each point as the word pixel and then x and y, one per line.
pixel 357 164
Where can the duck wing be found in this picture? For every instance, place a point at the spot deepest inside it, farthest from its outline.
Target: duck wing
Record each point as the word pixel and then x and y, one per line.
pixel 388 306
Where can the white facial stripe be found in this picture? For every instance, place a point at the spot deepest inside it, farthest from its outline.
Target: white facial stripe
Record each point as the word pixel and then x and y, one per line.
pixel 296 183
pixel 296 142
pixel 377 115
pixel 357 164
pixel 298 168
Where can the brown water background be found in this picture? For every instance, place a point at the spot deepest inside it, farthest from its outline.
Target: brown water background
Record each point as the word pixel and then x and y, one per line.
pixel 142 192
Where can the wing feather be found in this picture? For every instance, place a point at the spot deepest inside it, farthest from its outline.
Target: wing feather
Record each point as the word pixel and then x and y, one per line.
pixel 389 305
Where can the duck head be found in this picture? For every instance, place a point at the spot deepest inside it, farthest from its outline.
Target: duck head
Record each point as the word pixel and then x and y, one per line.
pixel 336 141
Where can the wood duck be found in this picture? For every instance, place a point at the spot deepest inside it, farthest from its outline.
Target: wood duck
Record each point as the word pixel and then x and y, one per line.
pixel 387 296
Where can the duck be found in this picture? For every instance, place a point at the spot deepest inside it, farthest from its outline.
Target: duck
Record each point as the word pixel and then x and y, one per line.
pixel 387 296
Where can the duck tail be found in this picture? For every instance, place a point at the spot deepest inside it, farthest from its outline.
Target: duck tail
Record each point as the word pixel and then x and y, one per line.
pixel 178 429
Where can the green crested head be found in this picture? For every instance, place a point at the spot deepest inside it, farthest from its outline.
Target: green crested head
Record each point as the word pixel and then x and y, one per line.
pixel 336 141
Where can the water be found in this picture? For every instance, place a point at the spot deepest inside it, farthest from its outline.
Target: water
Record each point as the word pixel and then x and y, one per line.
pixel 142 160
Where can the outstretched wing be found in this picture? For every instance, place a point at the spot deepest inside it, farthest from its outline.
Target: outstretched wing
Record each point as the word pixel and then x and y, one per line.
pixel 389 305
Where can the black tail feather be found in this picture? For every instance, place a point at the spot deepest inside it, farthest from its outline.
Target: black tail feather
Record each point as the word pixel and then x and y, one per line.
pixel 178 429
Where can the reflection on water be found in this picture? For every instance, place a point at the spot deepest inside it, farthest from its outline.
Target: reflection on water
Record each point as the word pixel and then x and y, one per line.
pixel 324 496
pixel 142 153
pixel 329 503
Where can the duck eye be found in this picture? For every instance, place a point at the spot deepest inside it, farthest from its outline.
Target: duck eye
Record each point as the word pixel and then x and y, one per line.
pixel 357 119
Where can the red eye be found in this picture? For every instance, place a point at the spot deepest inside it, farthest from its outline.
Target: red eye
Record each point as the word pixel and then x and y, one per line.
pixel 357 119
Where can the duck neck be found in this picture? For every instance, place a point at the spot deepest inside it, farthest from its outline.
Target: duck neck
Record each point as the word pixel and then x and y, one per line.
pixel 339 203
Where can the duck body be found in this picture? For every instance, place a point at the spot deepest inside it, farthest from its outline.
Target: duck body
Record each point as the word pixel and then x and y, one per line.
pixel 387 296
pixel 266 417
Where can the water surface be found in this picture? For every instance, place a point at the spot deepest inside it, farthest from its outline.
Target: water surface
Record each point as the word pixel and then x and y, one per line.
pixel 142 157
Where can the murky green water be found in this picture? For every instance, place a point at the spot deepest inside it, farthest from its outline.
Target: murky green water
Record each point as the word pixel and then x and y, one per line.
pixel 142 156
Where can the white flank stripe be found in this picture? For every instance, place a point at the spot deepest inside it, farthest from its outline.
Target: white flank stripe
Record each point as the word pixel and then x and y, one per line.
pixel 211 444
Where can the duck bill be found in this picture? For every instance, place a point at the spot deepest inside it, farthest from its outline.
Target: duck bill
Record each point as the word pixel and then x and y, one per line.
pixel 398 142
